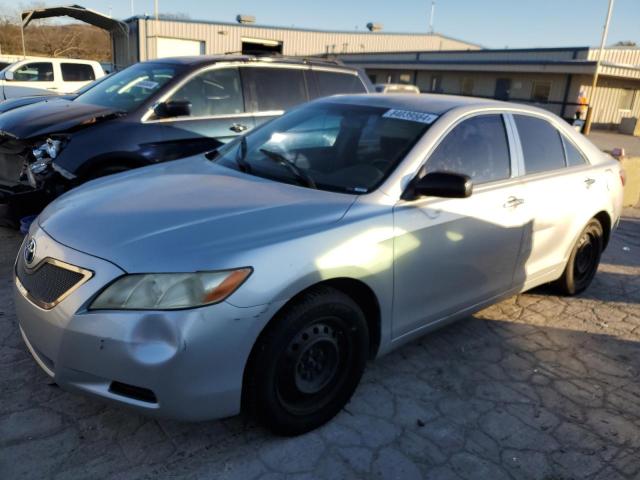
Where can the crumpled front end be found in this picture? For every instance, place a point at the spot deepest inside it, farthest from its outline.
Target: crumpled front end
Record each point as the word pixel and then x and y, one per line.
pixel 28 177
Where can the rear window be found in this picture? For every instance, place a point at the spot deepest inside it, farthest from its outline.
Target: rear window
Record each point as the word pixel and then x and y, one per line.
pixel 541 144
pixel 77 72
pixel 276 88
pixel 333 83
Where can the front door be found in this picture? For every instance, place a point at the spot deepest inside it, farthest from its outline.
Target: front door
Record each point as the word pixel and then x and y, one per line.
pixel 453 254
pixel 217 112
pixel 33 78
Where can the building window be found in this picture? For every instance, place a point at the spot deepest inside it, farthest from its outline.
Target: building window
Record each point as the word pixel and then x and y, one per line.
pixel 405 78
pixel 467 86
pixel 436 84
pixel 541 91
pixel 627 96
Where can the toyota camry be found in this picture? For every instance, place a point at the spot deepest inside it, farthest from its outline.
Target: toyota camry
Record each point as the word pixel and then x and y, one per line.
pixel 261 277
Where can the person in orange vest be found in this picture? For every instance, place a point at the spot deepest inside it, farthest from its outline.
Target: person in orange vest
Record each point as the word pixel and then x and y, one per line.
pixel 583 104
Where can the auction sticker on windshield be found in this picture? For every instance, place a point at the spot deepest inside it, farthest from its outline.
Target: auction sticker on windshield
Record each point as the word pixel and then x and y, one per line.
pixel 411 116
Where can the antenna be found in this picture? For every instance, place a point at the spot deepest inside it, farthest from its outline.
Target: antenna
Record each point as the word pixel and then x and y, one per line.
pixel 433 12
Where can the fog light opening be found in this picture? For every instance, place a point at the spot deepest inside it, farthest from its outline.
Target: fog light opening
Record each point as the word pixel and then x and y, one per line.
pixel 133 392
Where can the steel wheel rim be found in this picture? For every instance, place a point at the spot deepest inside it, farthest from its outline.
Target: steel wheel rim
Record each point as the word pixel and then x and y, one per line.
pixel 586 255
pixel 313 366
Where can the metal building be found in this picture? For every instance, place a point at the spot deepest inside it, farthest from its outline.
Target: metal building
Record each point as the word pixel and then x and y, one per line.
pixel 150 38
pixel 554 78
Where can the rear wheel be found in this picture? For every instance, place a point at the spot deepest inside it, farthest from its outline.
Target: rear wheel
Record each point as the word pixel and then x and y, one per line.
pixel 583 261
pixel 308 363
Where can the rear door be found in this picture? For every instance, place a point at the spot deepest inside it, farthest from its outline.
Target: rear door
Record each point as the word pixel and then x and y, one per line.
pixel 272 90
pixel 560 193
pixel 329 82
pixel 218 112
pixel 75 76
pixel 32 78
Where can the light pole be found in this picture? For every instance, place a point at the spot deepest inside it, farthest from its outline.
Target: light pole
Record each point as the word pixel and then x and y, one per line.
pixel 592 93
pixel 433 12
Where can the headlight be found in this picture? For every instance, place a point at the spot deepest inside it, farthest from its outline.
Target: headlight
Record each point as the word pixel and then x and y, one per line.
pixel 169 291
pixel 49 149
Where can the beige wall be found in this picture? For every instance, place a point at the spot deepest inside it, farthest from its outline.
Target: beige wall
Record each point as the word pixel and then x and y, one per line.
pixel 610 90
pixel 222 38
pixel 607 99
pixel 484 84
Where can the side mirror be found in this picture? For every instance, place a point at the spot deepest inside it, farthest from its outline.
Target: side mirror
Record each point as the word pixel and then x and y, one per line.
pixel 441 184
pixel 174 108
pixel 8 75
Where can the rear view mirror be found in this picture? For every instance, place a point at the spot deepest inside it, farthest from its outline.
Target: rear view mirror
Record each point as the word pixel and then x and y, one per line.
pixel 441 184
pixel 8 75
pixel 174 108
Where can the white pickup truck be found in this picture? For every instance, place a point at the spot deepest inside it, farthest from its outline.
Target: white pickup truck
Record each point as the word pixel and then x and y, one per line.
pixel 47 76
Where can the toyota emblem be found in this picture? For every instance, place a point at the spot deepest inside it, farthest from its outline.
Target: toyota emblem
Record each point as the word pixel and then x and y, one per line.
pixel 30 251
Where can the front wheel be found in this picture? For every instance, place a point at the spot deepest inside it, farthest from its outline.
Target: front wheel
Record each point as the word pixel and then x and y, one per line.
pixel 307 364
pixel 583 261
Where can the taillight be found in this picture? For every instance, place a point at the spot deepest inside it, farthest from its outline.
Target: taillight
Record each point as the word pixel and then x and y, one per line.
pixel 622 177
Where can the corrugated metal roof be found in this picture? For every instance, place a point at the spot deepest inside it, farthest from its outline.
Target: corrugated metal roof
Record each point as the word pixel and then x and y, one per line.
pixel 79 13
pixel 295 29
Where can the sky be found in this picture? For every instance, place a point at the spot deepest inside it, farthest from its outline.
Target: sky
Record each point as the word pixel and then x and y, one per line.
pixel 490 23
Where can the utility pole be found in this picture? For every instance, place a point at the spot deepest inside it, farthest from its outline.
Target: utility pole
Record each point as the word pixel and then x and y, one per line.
pixel 433 12
pixel 156 24
pixel 592 93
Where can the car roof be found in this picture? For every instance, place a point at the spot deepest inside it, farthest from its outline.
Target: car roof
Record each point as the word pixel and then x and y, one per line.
pixel 435 103
pixel 203 60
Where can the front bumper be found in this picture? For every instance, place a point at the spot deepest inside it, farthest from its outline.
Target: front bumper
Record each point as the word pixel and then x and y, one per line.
pixel 186 365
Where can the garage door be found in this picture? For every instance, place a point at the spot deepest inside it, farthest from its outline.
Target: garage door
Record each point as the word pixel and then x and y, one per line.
pixel 177 47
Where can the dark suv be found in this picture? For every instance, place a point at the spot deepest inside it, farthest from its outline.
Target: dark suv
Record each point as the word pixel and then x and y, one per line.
pixel 152 112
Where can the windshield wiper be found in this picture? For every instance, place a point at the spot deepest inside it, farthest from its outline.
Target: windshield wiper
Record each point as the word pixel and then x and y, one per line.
pixel 300 175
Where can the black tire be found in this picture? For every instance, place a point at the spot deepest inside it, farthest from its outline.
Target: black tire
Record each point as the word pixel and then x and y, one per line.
pixel 583 261
pixel 306 365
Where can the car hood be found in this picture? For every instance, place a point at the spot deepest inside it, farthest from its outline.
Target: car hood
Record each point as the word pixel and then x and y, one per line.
pixel 13 103
pixel 186 215
pixel 50 116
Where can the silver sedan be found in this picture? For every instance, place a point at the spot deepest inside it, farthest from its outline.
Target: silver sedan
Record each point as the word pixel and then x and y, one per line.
pixel 263 276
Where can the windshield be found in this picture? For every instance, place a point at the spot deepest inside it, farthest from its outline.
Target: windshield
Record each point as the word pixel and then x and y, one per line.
pixel 330 146
pixel 126 90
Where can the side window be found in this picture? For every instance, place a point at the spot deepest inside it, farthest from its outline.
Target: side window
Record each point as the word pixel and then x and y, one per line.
pixel 541 144
pixel 277 88
pixel 477 147
pixel 214 92
pixel 333 83
pixel 34 72
pixel 574 157
pixel 77 72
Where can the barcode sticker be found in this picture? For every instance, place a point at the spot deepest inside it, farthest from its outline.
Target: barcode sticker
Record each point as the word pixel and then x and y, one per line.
pixel 411 116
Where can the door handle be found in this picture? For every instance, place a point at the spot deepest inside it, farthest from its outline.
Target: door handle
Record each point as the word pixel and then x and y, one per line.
pixel 238 127
pixel 513 202
pixel 52 88
pixel 589 181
